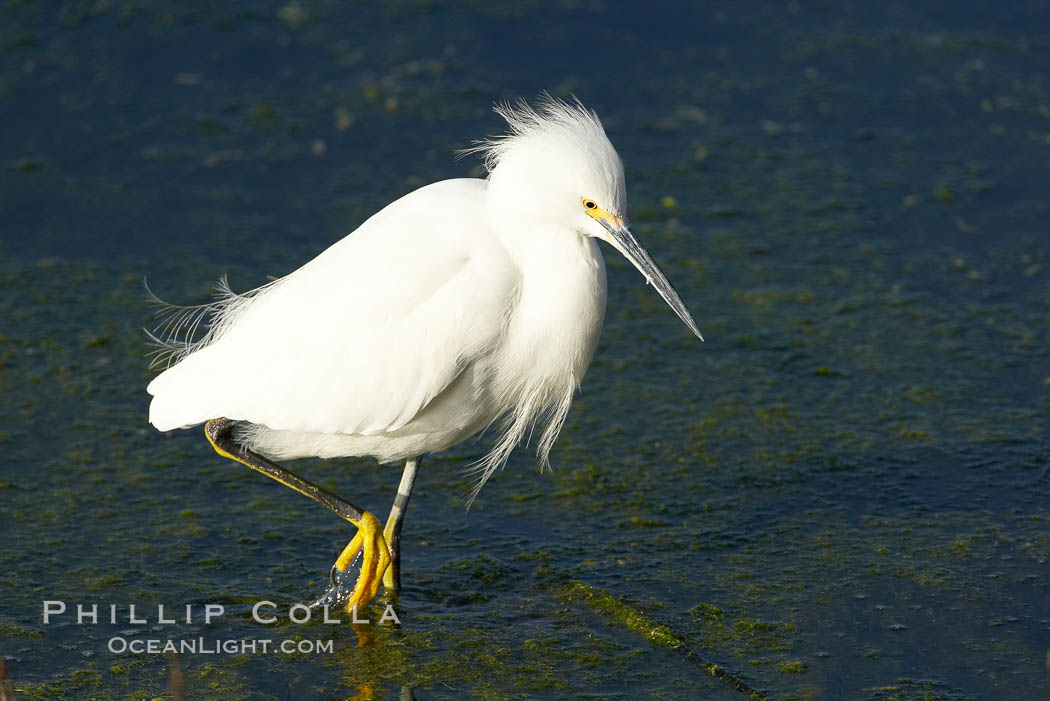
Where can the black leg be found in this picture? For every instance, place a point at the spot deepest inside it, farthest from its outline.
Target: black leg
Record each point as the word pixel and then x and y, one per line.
pixel 220 434
pixel 392 578
pixel 369 543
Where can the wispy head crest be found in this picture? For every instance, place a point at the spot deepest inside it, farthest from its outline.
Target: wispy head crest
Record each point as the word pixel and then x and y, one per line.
pixel 550 115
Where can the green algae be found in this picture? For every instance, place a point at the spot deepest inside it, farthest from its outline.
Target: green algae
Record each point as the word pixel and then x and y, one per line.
pixel 654 632
pixel 748 637
pixel 791 667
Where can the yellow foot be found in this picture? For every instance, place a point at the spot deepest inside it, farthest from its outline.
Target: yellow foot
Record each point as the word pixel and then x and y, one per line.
pixel 375 558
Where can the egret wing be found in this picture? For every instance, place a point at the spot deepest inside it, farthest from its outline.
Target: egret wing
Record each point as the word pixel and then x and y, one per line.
pixel 360 339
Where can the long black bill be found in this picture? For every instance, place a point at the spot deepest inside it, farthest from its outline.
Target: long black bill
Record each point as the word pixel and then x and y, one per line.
pixel 628 245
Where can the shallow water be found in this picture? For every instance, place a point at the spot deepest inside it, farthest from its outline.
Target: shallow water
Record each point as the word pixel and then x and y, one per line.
pixel 842 494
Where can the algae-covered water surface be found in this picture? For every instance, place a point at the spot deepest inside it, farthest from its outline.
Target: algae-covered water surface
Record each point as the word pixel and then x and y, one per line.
pixel 843 493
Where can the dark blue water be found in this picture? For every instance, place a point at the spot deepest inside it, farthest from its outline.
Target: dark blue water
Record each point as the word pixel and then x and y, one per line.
pixel 842 494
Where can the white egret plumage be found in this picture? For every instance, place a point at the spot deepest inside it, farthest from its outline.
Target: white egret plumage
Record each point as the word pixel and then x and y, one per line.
pixel 461 304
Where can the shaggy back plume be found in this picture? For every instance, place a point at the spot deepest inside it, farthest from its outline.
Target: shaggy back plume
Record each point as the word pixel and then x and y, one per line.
pixel 182 330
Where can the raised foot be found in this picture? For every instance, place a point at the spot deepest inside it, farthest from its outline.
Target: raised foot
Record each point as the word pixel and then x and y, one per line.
pixel 369 544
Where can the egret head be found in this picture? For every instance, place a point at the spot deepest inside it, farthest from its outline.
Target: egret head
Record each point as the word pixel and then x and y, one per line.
pixel 557 170
pixel 552 156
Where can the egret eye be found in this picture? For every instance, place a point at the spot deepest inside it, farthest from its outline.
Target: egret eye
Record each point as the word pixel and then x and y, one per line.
pixel 590 204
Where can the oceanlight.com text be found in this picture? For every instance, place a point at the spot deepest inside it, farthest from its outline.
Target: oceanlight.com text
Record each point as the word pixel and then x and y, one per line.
pixel 213 646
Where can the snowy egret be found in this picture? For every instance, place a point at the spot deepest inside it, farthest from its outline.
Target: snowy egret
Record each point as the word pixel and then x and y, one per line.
pixel 465 302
